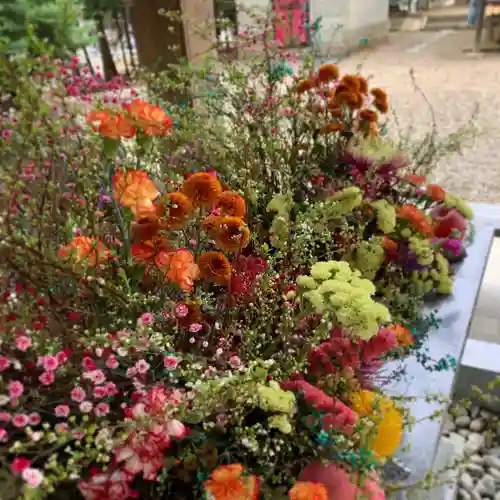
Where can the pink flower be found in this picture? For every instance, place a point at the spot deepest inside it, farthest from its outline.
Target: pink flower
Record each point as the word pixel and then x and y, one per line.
pixel 46 378
pixel 100 392
pixel 4 437
pixel 195 327
pixel 23 343
pixel 111 389
pixel 4 363
pixel 20 420
pixel 176 429
pixel 131 372
pixel 4 417
pixel 112 362
pixel 78 394
pixel 96 376
pixel 78 434
pixel 88 364
pixel 16 389
pixel 49 363
pixel 61 357
pixel 86 406
pixel 235 361
pixel 18 465
pixel 142 366
pixel 34 419
pixel 147 319
pixel 170 362
pixel 102 486
pixel 61 427
pixel 181 310
pixel 62 411
pixel 101 410
pixel 32 477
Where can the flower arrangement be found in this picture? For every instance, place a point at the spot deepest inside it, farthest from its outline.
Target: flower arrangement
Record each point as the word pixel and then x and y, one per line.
pixel 205 330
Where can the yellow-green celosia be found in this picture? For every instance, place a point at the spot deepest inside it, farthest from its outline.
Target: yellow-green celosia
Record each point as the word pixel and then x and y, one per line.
pixel 273 398
pixel 280 422
pixel 347 200
pixel 369 257
pixel 281 206
pixel 422 250
pixel 452 201
pixel 386 215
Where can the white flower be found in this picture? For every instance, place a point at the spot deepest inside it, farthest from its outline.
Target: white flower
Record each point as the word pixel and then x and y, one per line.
pixel 32 477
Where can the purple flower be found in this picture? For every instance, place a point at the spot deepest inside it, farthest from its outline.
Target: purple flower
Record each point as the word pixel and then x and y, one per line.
pixel 453 245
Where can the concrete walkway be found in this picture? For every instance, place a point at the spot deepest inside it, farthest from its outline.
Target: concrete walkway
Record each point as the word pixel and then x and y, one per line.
pixel 456 83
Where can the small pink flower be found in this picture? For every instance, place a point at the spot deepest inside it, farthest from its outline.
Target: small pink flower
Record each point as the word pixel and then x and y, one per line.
pixel 97 377
pixel 86 406
pixel 181 310
pixel 32 477
pixel 88 364
pixel 111 389
pixel 78 434
pixel 195 327
pixel 47 378
pixel 101 410
pixel 170 362
pixel 34 419
pixel 4 363
pixel 176 429
pixel 112 362
pixel 61 427
pixel 131 372
pixel 235 361
pixel 147 319
pixel 20 420
pixel 16 389
pixel 100 392
pixel 61 357
pixel 23 343
pixel 4 417
pixel 210 372
pixel 18 465
pixel 4 437
pixel 62 411
pixel 78 394
pixel 49 363
pixel 142 366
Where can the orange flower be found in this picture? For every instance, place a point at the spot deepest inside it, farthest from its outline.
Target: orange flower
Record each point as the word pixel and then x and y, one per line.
pixel 388 244
pixel 332 128
pixel 179 267
pixel 351 99
pixel 403 335
pixel 363 84
pixel 232 204
pixel 305 85
pixel 112 126
pixel 134 189
pixel 231 234
pixel 85 249
pixel 211 223
pixel 337 113
pixel 327 73
pixel 306 490
pixel 382 106
pixel 176 207
pixel 368 115
pixel 379 94
pixel 215 267
pixel 203 188
pixel 436 193
pixel 417 219
pixel 352 82
pixel 227 483
pixel 151 119
pixel 414 179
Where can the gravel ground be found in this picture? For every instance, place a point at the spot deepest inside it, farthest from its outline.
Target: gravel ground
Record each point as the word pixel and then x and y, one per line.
pixel 456 83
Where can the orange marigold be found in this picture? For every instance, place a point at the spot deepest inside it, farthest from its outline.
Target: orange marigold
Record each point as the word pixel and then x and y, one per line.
pixel 111 125
pixel 379 94
pixel 403 335
pixel 215 267
pixel 382 106
pixel 179 267
pixel 85 249
pixel 305 85
pixel 211 223
pixel 414 179
pixel 176 207
pixel 352 82
pixel 307 490
pixel 363 84
pixel 435 192
pixel 336 113
pixel 328 72
pixel 232 204
pixel 231 234
pixel 228 483
pixel 134 189
pixel 368 115
pixel 417 219
pixel 203 188
pixel 332 128
pixel 151 119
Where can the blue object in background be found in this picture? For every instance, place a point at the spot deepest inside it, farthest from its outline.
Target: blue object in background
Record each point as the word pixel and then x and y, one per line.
pixel 473 11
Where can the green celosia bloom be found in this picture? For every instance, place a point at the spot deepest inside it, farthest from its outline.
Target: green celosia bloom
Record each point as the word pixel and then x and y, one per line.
pixel 346 200
pixel 379 149
pixel 423 251
pixel 386 215
pixel 273 398
pixel 322 270
pixel 316 300
pixel 280 227
pixel 280 422
pixel 452 201
pixel 307 282
pixel 369 257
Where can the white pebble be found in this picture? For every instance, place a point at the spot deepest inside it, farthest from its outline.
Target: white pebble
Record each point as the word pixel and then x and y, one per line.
pixel 492 461
pixel 477 425
pixel 466 481
pixel 474 470
pixel 463 421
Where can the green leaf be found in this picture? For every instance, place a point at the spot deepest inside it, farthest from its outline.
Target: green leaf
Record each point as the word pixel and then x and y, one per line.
pixel 110 147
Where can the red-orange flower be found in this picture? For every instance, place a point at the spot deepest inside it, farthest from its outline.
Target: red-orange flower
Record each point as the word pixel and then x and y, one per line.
pixel 388 244
pixel 368 115
pixel 85 249
pixel 306 490
pixel 403 334
pixel 305 85
pixel 203 188
pixel 327 73
pixel 435 192
pixel 352 82
pixel 231 234
pixel 179 267
pixel 151 119
pixel 331 128
pixel 379 94
pixel 111 125
pixel 134 189
pixel 228 483
pixel 233 204
pixel 215 267
pixel 417 219
pixel 176 207
pixel 414 179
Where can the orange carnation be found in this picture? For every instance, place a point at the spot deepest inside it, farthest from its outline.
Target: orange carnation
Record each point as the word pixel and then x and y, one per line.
pixel 112 126
pixel 232 204
pixel 368 115
pixel 352 82
pixel 85 249
pixel 176 207
pixel 403 335
pixel 435 192
pixel 305 85
pixel 388 244
pixel 332 128
pixel 382 106
pixel 306 490
pixel 227 483
pixel 179 267
pixel 151 119
pixel 417 219
pixel 134 189
pixel 215 267
pixel 231 234
pixel 414 179
pixel 379 94
pixel 327 73
pixel 203 188
pixel 363 84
